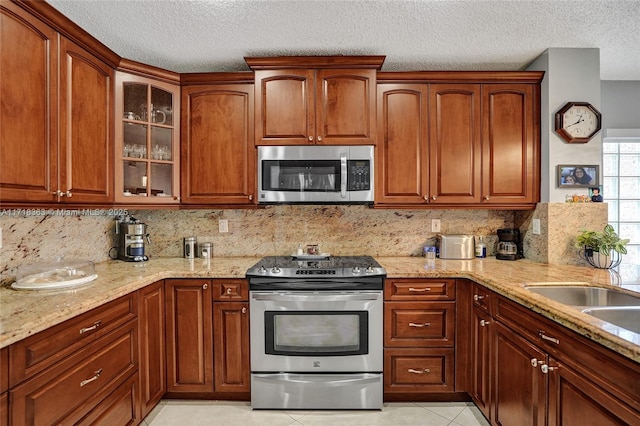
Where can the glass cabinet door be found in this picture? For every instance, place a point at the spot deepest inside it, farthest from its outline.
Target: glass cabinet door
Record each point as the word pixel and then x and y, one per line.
pixel 147 140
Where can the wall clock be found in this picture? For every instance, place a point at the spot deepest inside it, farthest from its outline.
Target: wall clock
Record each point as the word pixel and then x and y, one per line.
pixel 578 122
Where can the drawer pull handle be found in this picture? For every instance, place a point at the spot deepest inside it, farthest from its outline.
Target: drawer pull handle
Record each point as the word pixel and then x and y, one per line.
pixel 419 290
pixel 477 297
pixel 91 328
pixel 94 378
pixel 422 371
pixel 534 362
pixel 543 336
pixel 413 324
pixel 483 323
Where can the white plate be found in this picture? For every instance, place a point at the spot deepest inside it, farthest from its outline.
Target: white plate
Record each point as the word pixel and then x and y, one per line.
pixel 36 284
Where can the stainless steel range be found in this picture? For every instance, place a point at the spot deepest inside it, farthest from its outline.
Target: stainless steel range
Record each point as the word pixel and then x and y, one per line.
pixel 316 333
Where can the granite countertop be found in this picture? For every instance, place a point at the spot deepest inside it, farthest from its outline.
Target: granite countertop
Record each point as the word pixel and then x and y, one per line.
pixel 23 313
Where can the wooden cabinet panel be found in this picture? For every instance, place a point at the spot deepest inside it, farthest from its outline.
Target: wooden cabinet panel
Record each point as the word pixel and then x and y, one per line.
pixel 151 345
pixel 231 347
pixel 308 106
pixel 454 143
pixel 409 289
pixel 419 324
pixel 481 361
pixel 511 164
pixel 189 335
pixel 4 409
pixel 402 151
pixel 519 386
pixel 40 351
pixel 231 290
pixel 218 153
pixel 118 408
pixel 49 398
pixel 86 122
pixel 28 89
pixel 419 370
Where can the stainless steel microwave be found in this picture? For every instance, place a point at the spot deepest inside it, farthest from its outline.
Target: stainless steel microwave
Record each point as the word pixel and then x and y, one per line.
pixel 315 174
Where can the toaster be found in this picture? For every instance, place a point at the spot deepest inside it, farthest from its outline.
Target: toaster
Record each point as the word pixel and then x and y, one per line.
pixel 456 246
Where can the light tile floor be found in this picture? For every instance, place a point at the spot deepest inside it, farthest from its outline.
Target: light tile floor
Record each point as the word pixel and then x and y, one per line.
pixel 230 413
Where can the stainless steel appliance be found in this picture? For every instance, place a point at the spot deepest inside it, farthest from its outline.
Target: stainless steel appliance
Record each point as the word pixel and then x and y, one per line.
pixel 456 246
pixel 315 174
pixel 316 333
pixel 509 244
pixel 131 240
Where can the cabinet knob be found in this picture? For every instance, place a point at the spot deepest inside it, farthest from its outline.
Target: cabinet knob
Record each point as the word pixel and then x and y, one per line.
pixel 68 194
pixel 534 362
pixel 250 197
pixel 205 286
pixel 58 193
pixel 310 138
pixel 477 297
pixel 433 197
pixel 486 197
pixel 229 290
pixel 483 323
pixel 319 138
pixel 426 198
pixel 545 368
pixel 244 309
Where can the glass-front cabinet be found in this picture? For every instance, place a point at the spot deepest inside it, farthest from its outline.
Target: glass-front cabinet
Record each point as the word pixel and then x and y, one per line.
pixel 147 141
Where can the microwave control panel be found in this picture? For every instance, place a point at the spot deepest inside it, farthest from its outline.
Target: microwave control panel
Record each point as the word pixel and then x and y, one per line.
pixel 358 175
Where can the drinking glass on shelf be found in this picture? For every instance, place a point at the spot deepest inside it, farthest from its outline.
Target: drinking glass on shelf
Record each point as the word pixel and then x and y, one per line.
pixel 128 150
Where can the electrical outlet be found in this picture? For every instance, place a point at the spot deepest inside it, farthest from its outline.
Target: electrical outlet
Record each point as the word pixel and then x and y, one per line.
pixel 536 226
pixel 223 225
pixel 435 225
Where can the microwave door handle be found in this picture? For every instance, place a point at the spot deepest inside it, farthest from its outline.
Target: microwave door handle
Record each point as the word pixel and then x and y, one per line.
pixel 343 175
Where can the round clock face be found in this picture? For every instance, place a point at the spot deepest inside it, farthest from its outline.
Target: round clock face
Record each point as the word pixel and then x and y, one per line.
pixel 580 121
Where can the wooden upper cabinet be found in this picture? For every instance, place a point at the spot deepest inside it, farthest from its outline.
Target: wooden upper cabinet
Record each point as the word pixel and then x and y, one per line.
pixel 454 143
pixel 315 100
pixel 218 152
pixel 511 143
pixel 86 123
pixel 402 151
pixel 56 116
pixel 28 89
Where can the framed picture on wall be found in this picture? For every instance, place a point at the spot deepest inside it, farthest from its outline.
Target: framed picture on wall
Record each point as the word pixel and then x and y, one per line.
pixel 572 176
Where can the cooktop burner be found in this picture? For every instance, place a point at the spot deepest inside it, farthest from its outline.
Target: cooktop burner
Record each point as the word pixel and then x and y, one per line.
pixel 318 268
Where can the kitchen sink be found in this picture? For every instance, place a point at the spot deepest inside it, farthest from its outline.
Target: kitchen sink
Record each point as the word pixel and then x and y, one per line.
pixel 627 317
pixel 574 295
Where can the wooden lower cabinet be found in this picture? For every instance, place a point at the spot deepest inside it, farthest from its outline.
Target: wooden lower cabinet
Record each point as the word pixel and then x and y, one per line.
pixel 151 346
pixel 481 360
pixel 189 336
pixel 231 350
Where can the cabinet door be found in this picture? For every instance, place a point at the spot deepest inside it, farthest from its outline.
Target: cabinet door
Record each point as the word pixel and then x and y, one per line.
pixel 151 344
pixel 575 400
pixel 28 111
pixel 519 387
pixel 189 335
pixel 402 150
pixel 481 361
pixel 454 143
pixel 218 153
pixel 285 113
pixel 86 120
pixel 231 346
pixel 510 143
pixel 345 107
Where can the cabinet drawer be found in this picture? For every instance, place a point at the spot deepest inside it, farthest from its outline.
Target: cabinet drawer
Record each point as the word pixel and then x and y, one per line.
pixel 419 289
pixel 37 352
pixel 231 290
pixel 118 408
pixel 419 370
pixel 52 396
pixel 419 324
pixel 481 298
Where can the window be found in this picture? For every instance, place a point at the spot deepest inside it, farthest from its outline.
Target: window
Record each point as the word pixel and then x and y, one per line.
pixel 621 190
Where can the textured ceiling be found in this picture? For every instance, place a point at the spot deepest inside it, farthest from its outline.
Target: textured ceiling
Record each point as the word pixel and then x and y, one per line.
pixel 215 35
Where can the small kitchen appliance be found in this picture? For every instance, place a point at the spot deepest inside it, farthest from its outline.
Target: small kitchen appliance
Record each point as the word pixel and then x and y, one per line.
pixel 316 332
pixel 456 246
pixel 131 240
pixel 509 244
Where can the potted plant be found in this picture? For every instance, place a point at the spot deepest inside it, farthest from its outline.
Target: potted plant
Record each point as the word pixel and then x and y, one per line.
pixel 601 249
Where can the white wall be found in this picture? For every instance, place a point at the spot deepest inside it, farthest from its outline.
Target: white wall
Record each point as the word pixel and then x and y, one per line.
pixel 570 75
pixel 620 104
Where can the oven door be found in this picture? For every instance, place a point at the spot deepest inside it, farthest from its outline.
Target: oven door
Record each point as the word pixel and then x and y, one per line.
pixel 329 331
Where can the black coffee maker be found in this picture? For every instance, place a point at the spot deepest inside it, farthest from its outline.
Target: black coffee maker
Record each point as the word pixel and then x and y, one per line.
pixel 509 244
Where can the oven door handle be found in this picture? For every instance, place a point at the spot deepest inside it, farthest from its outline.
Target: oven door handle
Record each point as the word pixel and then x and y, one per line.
pixel 320 380
pixel 343 175
pixel 315 297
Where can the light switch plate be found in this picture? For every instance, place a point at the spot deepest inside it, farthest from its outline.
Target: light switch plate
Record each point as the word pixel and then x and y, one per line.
pixel 223 225
pixel 435 225
pixel 536 226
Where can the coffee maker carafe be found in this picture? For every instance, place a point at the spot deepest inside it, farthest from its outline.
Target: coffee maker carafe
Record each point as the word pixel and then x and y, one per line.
pixel 131 240
pixel 509 244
